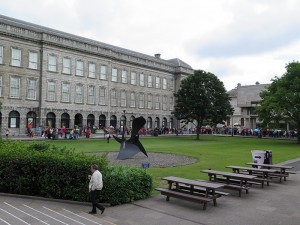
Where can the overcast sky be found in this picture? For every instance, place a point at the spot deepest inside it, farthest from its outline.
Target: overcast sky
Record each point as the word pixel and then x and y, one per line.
pixel 240 41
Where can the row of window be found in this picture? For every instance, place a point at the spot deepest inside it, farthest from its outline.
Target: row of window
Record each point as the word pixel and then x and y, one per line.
pixel 16 58
pixel 15 87
pixel 31 93
pixel 103 96
pixel 16 55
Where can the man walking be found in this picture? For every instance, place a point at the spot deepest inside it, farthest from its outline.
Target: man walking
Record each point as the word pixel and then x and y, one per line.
pixel 95 186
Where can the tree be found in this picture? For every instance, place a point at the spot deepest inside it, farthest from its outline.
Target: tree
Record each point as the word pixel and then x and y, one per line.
pixel 202 96
pixel 281 100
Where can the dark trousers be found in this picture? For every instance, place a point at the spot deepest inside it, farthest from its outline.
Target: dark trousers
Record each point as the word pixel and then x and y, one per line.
pixel 94 196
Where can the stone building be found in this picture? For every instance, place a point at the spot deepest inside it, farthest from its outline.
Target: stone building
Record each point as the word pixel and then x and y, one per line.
pixel 51 78
pixel 244 99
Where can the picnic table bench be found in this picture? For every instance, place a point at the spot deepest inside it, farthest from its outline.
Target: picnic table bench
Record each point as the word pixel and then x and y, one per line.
pixel 232 181
pixel 263 173
pixel 281 171
pixel 190 190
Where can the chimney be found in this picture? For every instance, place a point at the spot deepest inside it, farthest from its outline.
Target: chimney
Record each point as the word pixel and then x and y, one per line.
pixel 157 55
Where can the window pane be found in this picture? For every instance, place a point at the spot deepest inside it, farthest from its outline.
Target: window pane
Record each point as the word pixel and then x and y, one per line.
pixel 102 96
pixel 33 57
pixel 142 79
pixel 52 63
pixel 66 65
pixel 103 72
pixel 142 100
pixel 164 83
pixel 91 95
pixel 164 102
pixel 133 78
pixel 79 68
pixel 171 103
pixel 157 102
pixel 157 82
pixel 114 75
pixel 92 70
pixel 31 89
pixel 149 101
pixel 79 94
pixel 65 95
pixel 124 76
pixel 149 81
pixel 51 91
pixel 13 122
pixel 14 87
pixel 113 98
pixel 1 54
pixel 123 98
pixel 132 100
pixel 15 57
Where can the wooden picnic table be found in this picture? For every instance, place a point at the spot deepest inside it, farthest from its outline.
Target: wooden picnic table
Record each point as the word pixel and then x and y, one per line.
pixel 188 190
pixel 282 169
pixel 250 170
pixel 234 181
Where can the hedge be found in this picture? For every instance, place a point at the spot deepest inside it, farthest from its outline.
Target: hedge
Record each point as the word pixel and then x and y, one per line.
pixel 44 170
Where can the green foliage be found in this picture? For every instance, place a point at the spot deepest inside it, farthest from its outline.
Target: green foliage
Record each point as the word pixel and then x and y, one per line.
pixel 202 96
pixel 124 184
pixel 281 100
pixel 39 146
pixel 45 170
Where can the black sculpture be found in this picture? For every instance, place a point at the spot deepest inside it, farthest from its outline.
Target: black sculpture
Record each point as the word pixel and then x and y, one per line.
pixel 132 146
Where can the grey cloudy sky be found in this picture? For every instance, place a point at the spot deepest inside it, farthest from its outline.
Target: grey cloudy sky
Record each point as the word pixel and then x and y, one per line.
pixel 240 41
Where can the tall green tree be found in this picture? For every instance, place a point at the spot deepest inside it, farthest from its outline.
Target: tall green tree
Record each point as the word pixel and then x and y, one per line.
pixel 281 100
pixel 202 97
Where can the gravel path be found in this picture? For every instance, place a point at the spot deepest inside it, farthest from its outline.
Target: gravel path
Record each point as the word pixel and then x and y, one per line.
pixel 155 159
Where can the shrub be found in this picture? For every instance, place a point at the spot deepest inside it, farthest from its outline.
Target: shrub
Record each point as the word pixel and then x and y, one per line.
pixel 124 184
pixel 39 146
pixel 43 170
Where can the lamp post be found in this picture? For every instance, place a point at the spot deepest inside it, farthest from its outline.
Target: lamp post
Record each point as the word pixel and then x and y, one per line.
pixel 123 134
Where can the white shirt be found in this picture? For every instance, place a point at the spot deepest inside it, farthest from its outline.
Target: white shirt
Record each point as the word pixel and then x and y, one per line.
pixel 96 182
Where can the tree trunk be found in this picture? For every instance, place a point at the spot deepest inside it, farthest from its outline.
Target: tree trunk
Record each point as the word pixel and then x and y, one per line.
pixel 198 128
pixel 198 133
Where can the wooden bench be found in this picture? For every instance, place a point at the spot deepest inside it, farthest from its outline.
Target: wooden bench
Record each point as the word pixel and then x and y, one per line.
pixel 279 175
pixel 290 172
pixel 202 191
pixel 184 196
pixel 273 175
pixel 234 185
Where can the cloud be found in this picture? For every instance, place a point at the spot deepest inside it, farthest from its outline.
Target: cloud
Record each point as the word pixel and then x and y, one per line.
pixel 255 28
pixel 239 41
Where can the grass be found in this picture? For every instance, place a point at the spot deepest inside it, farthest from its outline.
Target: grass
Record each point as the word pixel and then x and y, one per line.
pixel 211 152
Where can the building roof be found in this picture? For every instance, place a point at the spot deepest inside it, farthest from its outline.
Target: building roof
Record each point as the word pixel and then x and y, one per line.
pixel 179 63
pixel 41 29
pixel 232 93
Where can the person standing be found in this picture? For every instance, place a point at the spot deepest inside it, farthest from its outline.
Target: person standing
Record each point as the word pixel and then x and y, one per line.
pixel 107 137
pixel 6 133
pixel 95 186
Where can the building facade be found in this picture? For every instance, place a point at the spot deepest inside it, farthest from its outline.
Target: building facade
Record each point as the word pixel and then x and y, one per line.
pixel 51 78
pixel 244 99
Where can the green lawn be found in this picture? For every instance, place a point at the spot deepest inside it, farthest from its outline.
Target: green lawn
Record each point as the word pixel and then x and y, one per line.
pixel 211 152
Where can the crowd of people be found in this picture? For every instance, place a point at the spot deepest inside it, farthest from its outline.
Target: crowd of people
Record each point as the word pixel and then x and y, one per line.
pixel 87 131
